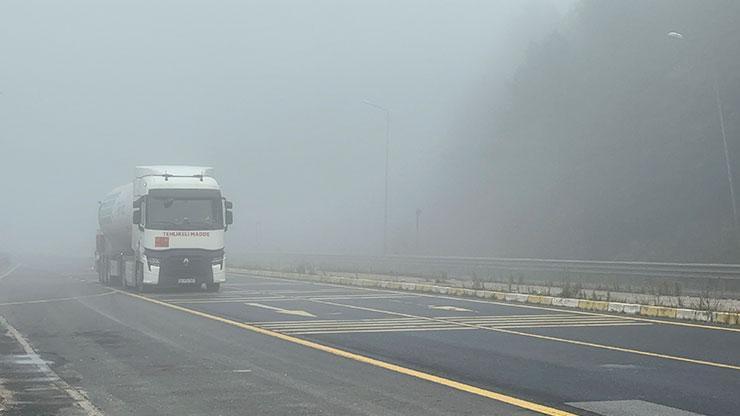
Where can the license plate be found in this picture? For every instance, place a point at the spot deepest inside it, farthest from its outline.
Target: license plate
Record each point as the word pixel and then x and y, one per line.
pixel 185 281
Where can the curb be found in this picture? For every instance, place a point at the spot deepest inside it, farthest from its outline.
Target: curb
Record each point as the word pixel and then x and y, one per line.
pixel 726 318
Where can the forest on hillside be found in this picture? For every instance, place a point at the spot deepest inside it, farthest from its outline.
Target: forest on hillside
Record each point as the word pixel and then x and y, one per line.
pixel 607 142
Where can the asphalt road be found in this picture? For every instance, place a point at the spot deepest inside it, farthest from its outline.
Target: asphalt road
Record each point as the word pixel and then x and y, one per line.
pixel 278 347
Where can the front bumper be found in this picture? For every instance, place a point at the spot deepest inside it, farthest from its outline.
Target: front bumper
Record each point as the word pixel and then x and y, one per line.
pixel 177 267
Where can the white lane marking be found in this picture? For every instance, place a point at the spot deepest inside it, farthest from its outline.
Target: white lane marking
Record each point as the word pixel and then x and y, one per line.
pixel 313 327
pixel 337 297
pixel 44 368
pixel 241 371
pixel 449 308
pixel 30 302
pixel 283 311
pixel 242 299
pixel 226 300
pixel 349 291
pixel 252 284
pixel 361 331
pixel 12 269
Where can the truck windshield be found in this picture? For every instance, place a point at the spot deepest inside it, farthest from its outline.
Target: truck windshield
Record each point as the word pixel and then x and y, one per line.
pixel 183 209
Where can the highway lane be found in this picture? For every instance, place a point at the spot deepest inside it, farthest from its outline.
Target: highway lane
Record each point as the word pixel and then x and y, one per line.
pixel 557 358
pixel 542 354
pixel 132 357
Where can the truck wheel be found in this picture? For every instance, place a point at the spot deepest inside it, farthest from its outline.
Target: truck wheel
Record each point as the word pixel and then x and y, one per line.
pixel 100 271
pixel 106 274
pixel 139 279
pixel 213 287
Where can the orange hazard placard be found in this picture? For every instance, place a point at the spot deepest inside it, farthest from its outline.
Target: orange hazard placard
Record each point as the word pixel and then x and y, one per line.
pixel 161 241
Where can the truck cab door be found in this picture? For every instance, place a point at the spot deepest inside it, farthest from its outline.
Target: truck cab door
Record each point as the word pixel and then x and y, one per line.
pixel 137 233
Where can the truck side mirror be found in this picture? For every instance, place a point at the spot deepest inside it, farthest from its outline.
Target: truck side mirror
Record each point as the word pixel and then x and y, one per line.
pixel 228 204
pixel 137 217
pixel 229 217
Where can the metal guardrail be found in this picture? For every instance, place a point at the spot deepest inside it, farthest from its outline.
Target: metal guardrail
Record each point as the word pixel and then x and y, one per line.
pixel 691 276
pixel 481 264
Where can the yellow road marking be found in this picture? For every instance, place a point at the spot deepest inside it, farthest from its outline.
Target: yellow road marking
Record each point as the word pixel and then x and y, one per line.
pixel 467 299
pixel 524 404
pixel 30 302
pixel 574 342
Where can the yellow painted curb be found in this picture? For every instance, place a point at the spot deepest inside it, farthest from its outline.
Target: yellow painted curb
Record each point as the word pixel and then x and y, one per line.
pixel 658 311
pixel 542 300
pixel 726 318
pixel 593 305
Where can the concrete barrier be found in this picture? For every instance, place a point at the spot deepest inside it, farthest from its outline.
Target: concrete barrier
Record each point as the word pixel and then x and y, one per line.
pixel 565 302
pixel 631 309
pixel 616 307
pixel 516 297
pixel 726 318
pixel 542 300
pixel 686 314
pixel 658 311
pixel 456 291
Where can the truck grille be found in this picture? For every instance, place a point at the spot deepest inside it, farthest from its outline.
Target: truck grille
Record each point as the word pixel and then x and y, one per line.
pixel 185 266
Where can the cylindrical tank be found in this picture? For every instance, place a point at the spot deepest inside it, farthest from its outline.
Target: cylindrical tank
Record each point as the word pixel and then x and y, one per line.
pixel 114 216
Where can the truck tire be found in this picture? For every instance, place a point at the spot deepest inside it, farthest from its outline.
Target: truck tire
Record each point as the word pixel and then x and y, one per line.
pixel 101 265
pixel 213 287
pixel 106 274
pixel 139 279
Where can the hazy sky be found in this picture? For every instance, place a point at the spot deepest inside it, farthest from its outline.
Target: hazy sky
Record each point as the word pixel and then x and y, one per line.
pixel 269 93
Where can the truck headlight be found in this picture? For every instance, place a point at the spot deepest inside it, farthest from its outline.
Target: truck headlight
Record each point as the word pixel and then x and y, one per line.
pixel 152 261
pixel 218 261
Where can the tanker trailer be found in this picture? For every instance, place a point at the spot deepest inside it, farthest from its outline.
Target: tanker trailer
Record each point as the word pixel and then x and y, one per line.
pixel 164 229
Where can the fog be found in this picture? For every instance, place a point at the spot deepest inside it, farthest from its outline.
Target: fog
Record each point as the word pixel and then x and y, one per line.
pixel 542 128
pixel 269 93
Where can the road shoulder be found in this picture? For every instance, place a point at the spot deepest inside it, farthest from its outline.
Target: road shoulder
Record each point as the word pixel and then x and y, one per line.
pixel 29 386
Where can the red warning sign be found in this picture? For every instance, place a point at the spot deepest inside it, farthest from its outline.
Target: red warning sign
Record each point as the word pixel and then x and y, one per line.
pixel 161 241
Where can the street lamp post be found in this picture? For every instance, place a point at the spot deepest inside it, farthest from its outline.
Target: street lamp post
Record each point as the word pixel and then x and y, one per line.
pixel 418 223
pixel 721 116
pixel 387 157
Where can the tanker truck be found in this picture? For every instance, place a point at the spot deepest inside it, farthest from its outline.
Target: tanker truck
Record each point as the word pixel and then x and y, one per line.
pixel 164 229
